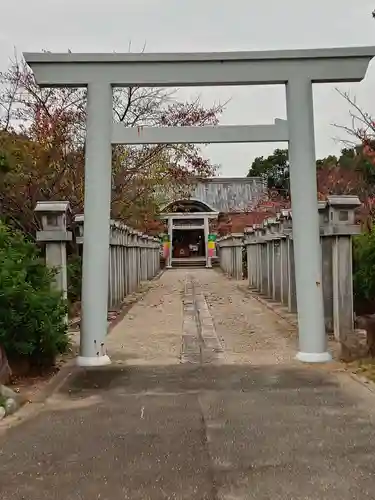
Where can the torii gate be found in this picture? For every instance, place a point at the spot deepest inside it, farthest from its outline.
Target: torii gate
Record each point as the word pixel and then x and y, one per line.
pixel 296 69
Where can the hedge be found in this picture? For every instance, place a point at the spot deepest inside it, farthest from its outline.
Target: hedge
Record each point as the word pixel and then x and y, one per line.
pixel 364 272
pixel 32 315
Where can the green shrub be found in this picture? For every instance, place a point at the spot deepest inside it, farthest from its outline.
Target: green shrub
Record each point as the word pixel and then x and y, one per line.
pixel 32 316
pixel 364 267
pixel 74 278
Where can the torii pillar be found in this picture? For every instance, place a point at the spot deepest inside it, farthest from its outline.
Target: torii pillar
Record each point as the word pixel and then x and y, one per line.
pixel 306 236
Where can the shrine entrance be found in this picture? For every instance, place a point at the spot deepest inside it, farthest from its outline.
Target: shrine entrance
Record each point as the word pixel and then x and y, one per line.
pixel 188 243
pixel 188 231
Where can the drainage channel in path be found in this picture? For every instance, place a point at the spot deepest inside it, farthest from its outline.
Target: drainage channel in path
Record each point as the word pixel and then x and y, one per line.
pixel 200 343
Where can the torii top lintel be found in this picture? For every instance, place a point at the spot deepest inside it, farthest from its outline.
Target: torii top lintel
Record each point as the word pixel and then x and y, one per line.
pixel 201 69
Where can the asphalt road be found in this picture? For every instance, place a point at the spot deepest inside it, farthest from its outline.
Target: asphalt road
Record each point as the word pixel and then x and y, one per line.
pixel 194 432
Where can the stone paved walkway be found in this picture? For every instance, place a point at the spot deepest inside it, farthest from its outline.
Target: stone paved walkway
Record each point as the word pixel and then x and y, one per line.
pixel 203 401
pixel 152 332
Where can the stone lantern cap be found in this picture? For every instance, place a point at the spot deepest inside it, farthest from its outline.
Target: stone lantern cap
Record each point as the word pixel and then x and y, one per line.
pixel 271 231
pixel 79 218
pixel 322 205
pixel 286 221
pixel 286 213
pixel 272 223
pixel 52 206
pixel 323 212
pixel 344 201
pixel 250 235
pixel 258 229
pixel 79 221
pixel 143 239
pixel 266 231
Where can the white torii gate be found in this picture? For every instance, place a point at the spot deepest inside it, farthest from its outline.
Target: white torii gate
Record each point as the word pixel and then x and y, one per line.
pixel 296 69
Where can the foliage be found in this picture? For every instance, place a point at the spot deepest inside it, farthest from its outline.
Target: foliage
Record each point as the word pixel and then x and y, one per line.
pixel 274 170
pixel 351 173
pixel 74 271
pixel 31 314
pixel 329 161
pixel 333 178
pixel 42 148
pixel 364 266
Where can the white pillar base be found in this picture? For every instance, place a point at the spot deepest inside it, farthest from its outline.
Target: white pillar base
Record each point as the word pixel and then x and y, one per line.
pixel 312 357
pixel 86 361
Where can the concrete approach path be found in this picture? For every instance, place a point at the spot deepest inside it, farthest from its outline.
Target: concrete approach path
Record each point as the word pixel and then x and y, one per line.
pixel 203 401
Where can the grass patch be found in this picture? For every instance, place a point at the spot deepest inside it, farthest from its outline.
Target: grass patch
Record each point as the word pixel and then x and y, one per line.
pixel 364 368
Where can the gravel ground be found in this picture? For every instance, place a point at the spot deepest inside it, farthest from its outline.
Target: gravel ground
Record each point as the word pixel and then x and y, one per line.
pixel 250 332
pixel 151 332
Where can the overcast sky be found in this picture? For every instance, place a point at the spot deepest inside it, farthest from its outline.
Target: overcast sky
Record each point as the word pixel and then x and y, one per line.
pixel 207 25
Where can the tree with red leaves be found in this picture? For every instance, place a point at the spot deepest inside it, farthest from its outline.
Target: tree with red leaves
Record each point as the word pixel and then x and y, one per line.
pixel 362 130
pixel 42 148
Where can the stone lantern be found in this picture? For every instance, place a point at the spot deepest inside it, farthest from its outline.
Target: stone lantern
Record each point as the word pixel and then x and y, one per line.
pixel 54 233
